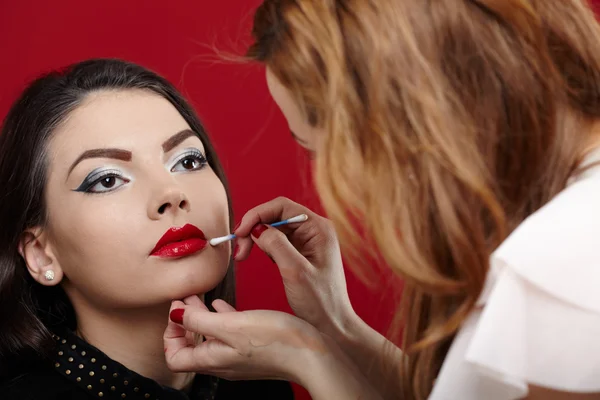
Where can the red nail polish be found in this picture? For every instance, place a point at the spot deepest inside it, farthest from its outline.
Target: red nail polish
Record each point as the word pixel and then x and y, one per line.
pixel 258 230
pixel 237 226
pixel 177 315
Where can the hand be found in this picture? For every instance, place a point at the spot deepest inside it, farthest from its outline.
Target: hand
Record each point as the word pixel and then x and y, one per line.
pixel 309 260
pixel 240 345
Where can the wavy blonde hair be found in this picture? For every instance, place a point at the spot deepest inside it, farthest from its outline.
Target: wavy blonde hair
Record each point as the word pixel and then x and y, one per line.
pixel 447 123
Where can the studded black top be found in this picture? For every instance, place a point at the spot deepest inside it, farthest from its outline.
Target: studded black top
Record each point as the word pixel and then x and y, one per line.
pixel 79 371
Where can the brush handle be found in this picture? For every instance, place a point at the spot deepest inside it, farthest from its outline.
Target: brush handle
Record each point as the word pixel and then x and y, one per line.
pixel 298 218
pixel 223 239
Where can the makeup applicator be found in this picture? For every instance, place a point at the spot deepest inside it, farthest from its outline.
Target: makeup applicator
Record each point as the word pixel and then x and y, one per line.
pixel 296 219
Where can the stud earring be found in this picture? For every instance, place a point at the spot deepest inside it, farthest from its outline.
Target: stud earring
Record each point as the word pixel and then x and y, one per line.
pixel 49 275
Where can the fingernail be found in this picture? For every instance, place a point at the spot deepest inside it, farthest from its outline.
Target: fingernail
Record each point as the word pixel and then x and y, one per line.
pixel 237 226
pixel 236 252
pixel 177 315
pixel 258 230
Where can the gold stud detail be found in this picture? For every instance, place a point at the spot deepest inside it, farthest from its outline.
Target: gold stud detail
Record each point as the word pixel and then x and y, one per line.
pixel 93 360
pixel 70 359
pixel 91 373
pixel 102 380
pixel 123 395
pixel 83 353
pixel 136 389
pixel 73 347
pixel 68 372
pixel 64 341
pixel 115 375
pixel 80 366
pixel 147 395
pixel 113 388
pixel 126 383
pixel 57 365
pixel 89 387
pixel 100 394
pixel 60 353
pixel 78 379
pixel 104 367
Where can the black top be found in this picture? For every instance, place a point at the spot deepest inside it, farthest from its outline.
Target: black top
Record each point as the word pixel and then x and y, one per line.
pixel 79 371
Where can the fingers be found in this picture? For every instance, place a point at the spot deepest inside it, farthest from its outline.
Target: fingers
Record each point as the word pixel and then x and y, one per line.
pixel 194 301
pixel 288 259
pixel 217 325
pixel 244 247
pixel 275 210
pixel 175 335
pixel 209 356
pixel 222 306
pixel 269 212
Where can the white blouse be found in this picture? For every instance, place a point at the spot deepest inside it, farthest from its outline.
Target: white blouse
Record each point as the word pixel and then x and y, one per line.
pixel 538 318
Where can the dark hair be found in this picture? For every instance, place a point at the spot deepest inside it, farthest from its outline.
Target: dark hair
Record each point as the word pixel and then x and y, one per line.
pixel 29 311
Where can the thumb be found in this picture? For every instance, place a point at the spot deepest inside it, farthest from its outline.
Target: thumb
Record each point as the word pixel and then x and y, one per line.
pixel 277 246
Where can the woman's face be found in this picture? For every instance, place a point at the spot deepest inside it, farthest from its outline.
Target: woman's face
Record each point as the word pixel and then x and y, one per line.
pixel 305 134
pixel 123 170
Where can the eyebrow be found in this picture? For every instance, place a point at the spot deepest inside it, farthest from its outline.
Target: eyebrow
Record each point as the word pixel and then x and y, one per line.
pixel 117 154
pixel 125 155
pixel 177 139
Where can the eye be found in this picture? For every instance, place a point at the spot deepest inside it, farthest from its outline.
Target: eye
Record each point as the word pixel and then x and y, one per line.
pixel 107 184
pixel 191 160
pixel 102 182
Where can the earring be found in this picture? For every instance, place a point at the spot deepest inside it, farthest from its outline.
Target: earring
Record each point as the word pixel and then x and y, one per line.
pixel 49 275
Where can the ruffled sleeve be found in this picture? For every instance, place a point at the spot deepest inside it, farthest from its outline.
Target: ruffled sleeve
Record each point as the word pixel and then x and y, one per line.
pixel 538 318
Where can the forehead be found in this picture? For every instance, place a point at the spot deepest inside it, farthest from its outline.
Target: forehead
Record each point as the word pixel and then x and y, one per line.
pixel 125 119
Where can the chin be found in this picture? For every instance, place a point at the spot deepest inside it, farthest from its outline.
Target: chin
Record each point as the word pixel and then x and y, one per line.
pixel 195 281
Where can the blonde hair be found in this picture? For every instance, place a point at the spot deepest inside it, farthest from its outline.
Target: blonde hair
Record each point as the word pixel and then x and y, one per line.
pixel 447 124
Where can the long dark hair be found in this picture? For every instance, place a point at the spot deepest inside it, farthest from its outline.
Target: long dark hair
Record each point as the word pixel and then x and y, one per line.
pixel 29 311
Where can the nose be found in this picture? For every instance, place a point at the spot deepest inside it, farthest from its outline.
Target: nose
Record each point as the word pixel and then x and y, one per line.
pixel 171 200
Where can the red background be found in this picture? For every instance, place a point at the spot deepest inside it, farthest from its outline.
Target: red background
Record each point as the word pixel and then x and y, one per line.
pixel 175 38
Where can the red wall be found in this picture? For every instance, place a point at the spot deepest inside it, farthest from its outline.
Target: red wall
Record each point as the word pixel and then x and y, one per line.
pixel 260 158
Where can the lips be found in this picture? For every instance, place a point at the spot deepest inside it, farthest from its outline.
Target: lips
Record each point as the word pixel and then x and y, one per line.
pixel 180 242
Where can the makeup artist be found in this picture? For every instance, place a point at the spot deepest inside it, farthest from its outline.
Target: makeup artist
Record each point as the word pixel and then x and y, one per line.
pixel 463 136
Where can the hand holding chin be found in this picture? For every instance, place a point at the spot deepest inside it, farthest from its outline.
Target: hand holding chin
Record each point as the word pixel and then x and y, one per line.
pixel 239 345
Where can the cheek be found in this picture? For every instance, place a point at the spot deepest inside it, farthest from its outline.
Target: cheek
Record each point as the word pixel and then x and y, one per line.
pixel 95 235
pixel 209 207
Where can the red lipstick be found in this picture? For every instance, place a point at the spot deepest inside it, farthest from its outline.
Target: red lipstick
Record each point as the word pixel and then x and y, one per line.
pixel 180 242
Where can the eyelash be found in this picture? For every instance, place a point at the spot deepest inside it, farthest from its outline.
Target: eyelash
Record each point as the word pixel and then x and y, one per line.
pixel 95 178
pixel 191 154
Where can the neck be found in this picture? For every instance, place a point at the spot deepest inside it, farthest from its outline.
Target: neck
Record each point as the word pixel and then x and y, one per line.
pixel 133 338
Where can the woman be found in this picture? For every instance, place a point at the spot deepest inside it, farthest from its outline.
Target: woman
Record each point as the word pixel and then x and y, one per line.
pixel 463 136
pixel 110 189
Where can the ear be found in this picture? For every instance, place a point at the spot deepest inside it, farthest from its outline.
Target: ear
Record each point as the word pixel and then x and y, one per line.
pixel 39 257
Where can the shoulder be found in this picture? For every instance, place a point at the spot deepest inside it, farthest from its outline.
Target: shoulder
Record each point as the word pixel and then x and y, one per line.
pixel 37 385
pixel 538 318
pixel 258 389
pixel 557 249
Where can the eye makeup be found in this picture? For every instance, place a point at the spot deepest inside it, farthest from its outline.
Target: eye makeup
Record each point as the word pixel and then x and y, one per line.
pixel 105 179
pixel 191 159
